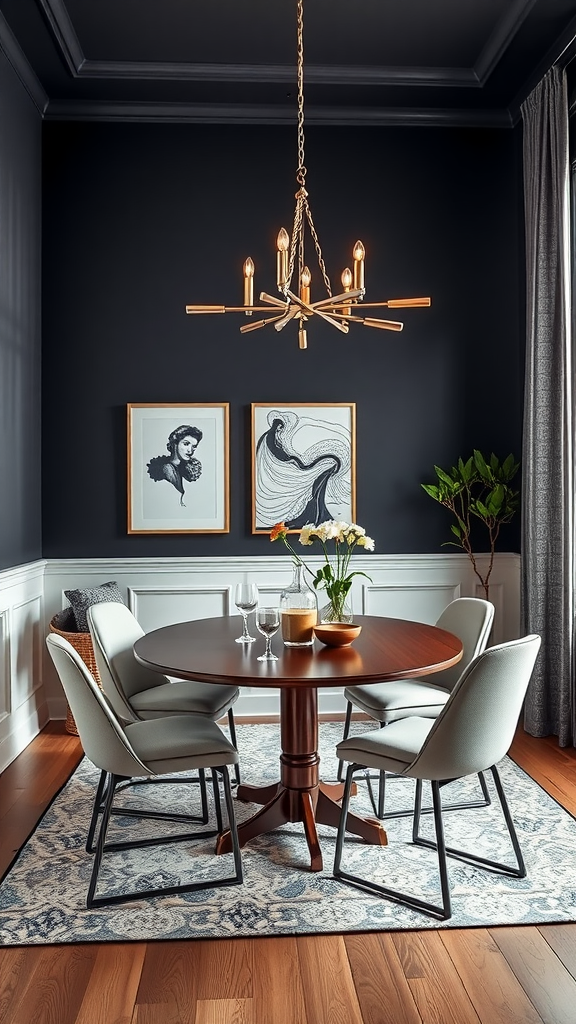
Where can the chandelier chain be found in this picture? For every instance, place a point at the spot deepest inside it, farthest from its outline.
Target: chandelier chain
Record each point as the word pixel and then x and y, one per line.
pixel 302 205
pixel 301 172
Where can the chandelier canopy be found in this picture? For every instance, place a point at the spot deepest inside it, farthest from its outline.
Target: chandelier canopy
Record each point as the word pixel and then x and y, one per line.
pixel 338 310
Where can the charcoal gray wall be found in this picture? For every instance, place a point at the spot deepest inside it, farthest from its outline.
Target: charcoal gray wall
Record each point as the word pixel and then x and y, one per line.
pixel 20 293
pixel 141 219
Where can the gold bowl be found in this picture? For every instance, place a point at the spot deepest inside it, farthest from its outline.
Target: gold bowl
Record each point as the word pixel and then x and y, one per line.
pixel 337 634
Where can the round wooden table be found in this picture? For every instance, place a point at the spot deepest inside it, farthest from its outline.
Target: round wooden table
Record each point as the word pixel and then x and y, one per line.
pixel 386 649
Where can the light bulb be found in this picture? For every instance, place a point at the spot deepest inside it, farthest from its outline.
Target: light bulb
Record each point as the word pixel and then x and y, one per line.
pixel 359 253
pixel 305 278
pixel 346 279
pixel 248 270
pixel 282 243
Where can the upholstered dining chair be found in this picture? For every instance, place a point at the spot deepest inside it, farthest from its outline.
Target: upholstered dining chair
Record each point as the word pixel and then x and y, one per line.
pixel 473 731
pixel 137 693
pixel 143 749
pixel 468 618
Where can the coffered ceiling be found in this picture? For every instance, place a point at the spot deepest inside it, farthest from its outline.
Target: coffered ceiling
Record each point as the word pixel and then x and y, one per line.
pixel 366 61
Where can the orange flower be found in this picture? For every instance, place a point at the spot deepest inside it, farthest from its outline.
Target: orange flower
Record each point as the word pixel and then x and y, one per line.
pixel 278 532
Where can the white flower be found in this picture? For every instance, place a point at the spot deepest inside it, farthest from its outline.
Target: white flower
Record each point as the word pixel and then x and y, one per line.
pixel 366 542
pixel 307 533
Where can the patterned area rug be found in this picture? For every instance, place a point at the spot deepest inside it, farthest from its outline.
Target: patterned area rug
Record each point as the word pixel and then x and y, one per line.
pixel 42 899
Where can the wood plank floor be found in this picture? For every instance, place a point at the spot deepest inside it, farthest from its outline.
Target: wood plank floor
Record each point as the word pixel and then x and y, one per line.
pixel 523 975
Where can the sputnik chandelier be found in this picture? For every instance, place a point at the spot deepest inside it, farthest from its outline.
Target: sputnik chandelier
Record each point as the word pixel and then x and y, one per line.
pixel 338 310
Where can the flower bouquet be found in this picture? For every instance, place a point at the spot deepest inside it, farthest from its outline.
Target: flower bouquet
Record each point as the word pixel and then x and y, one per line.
pixel 334 576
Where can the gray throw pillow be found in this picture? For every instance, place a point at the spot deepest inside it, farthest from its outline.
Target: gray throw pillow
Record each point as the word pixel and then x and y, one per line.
pixel 81 600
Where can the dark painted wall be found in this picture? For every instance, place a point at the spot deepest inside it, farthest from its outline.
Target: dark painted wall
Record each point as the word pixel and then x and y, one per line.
pixel 20 408
pixel 141 219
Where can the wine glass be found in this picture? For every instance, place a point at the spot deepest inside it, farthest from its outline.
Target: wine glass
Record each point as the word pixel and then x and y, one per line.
pixel 268 623
pixel 246 599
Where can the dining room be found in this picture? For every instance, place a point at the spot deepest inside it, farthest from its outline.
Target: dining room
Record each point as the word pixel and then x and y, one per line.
pixel 178 378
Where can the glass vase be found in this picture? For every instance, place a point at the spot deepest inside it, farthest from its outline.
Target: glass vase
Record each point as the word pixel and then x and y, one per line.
pixel 338 609
pixel 298 611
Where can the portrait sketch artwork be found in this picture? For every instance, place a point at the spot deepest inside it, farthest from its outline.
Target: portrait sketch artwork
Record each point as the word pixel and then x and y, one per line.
pixel 303 464
pixel 178 468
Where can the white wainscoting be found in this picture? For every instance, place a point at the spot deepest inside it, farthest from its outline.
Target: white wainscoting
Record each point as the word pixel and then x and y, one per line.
pixel 161 591
pixel 23 705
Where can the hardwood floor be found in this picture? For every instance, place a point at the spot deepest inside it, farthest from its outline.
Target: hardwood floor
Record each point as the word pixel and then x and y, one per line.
pixel 522 975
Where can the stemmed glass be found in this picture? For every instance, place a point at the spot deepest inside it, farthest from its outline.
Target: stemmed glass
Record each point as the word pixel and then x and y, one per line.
pixel 246 599
pixel 268 623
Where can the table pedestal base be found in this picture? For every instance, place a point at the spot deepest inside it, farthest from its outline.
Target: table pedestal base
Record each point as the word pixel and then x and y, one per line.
pixel 299 796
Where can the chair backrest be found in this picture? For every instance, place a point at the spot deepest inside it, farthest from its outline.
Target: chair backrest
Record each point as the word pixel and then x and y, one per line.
pixel 101 734
pixel 114 631
pixel 476 726
pixel 470 619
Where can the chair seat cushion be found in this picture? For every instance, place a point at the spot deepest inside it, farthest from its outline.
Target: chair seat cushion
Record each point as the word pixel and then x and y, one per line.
pixel 392 749
pixel 180 743
pixel 387 702
pixel 184 697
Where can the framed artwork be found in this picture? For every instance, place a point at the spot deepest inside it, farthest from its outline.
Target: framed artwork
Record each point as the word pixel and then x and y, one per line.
pixel 303 464
pixel 178 468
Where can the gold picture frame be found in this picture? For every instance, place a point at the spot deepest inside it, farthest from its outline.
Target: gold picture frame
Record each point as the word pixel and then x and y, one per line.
pixel 178 467
pixel 303 463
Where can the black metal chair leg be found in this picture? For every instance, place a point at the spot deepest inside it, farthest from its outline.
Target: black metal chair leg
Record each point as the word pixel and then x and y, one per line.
pixel 442 912
pixel 345 736
pixel 106 811
pixel 217 804
pixel 98 801
pixel 232 727
pixel 232 824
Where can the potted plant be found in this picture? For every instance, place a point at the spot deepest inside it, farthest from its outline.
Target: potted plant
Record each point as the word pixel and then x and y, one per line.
pixel 479 489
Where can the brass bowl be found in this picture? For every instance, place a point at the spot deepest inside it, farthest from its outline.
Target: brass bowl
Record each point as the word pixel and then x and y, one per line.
pixel 337 634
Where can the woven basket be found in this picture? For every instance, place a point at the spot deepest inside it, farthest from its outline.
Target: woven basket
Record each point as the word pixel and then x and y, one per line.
pixel 63 624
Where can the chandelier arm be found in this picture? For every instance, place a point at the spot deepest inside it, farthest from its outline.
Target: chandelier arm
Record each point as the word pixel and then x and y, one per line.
pixel 311 310
pixel 264 297
pixel 281 323
pixel 343 297
pixel 258 323
pixel 230 309
pixel 385 325
pixel 397 303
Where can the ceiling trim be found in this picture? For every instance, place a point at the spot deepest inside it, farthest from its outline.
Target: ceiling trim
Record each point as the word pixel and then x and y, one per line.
pixel 57 16
pixel 13 53
pixel 214 113
pixel 505 31
pixel 316 74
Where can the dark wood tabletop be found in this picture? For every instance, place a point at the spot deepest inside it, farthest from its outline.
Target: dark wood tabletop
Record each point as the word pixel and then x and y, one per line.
pixel 386 649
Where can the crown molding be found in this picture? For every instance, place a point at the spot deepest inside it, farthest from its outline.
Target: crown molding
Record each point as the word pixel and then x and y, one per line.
pixel 316 74
pixel 59 20
pixel 11 50
pixel 215 113
pixel 502 37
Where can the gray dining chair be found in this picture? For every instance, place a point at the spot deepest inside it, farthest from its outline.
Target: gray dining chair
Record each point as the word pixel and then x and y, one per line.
pixel 136 692
pixel 148 749
pixel 468 618
pixel 473 731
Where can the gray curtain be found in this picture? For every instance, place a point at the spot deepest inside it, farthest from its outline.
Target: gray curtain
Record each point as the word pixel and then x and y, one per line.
pixel 548 443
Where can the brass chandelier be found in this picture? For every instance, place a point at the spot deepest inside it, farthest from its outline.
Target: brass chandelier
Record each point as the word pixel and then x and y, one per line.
pixel 338 310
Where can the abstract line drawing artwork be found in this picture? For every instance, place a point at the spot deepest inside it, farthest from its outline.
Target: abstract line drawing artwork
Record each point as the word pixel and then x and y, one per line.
pixel 303 464
pixel 178 475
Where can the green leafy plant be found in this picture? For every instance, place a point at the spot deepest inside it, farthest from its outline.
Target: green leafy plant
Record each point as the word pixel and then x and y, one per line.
pixel 477 490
